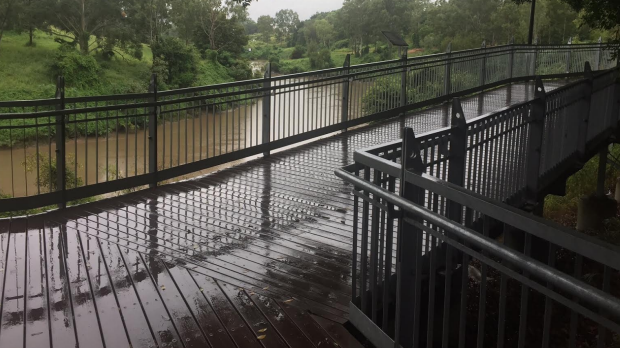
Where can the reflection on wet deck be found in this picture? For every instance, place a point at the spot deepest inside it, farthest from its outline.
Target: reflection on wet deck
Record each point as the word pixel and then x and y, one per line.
pixel 254 255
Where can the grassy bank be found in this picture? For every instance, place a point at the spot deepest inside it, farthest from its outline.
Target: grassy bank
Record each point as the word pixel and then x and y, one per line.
pixel 25 71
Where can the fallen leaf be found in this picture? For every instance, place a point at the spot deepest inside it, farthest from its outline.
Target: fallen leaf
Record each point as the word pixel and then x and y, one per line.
pixel 266 288
pixel 261 337
pixel 262 330
pixel 289 300
pixel 201 289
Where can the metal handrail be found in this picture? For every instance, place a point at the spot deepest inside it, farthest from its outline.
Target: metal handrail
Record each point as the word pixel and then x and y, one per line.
pixel 225 122
pixel 581 290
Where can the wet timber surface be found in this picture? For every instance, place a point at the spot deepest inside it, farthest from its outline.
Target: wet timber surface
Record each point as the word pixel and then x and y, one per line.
pixel 256 255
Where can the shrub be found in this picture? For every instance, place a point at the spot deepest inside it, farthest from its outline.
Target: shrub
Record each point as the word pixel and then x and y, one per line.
pixel 341 44
pixel 178 62
pixel 319 59
pixel 79 70
pixel 297 53
pixel 274 60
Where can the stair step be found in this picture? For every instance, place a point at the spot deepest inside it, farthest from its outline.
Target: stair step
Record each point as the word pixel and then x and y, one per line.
pixel 337 332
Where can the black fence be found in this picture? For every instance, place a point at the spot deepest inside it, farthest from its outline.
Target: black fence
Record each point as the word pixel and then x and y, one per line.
pixel 63 149
pixel 443 255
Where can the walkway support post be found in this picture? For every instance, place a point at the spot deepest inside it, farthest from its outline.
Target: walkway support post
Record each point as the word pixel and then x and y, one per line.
pixel 61 167
pixel 457 154
pixel 403 83
pixel 599 53
pixel 530 34
pixel 267 109
pixel 535 59
pixel 153 109
pixel 536 125
pixel 568 55
pixel 344 113
pixel 447 86
pixel 408 259
pixel 584 113
pixel 483 68
pixel 511 58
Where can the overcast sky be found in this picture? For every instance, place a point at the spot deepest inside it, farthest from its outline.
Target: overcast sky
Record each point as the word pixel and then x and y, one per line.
pixel 305 8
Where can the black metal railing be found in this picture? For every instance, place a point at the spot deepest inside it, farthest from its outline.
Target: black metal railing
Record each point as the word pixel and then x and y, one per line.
pixel 63 149
pixel 443 255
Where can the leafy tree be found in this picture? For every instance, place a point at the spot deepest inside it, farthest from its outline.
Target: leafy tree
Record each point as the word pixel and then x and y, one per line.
pixel 286 23
pixel 250 26
pixel 324 31
pixel 174 62
pixel 265 27
pixel 599 14
pixel 220 22
pixel 7 8
pixel 107 21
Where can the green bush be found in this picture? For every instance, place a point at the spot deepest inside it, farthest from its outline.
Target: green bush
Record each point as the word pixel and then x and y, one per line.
pixel 274 61
pixel 319 59
pixel 78 70
pixel 341 44
pixel 297 53
pixel 176 62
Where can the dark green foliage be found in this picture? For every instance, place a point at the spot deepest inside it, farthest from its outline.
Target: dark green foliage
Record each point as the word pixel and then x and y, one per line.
pixel 79 70
pixel 274 61
pixel 175 62
pixel 319 59
pixel 341 44
pixel 297 53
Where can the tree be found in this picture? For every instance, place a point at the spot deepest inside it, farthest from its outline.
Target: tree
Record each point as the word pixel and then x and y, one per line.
pixel 250 26
pixel 286 24
pixel 265 27
pixel 6 11
pixel 80 20
pixel 599 14
pixel 324 31
pixel 216 19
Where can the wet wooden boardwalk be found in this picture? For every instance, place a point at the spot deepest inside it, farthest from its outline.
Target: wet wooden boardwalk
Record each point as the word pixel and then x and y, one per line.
pixel 257 255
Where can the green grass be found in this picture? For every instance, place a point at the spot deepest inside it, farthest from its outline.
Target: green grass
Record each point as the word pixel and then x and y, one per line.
pixel 25 71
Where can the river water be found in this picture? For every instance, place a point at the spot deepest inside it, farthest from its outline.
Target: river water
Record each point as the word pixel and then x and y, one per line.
pixel 182 138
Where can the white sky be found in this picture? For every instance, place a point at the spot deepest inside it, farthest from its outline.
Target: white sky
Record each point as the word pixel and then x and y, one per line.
pixel 305 8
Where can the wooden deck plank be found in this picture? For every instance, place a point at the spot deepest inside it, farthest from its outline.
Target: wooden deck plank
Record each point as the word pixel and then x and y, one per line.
pixel 280 321
pixel 189 331
pixel 157 315
pixel 337 332
pixel 205 316
pixel 253 317
pixel 234 324
pixel 37 332
pixel 13 300
pixel 138 328
pixel 62 321
pixel 87 323
pixel 111 321
pixel 310 328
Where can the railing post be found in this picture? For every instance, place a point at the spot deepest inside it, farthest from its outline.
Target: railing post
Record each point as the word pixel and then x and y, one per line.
pixel 409 249
pixel 599 53
pixel 483 68
pixel 153 131
pixel 447 86
pixel 568 55
pixel 403 83
pixel 536 124
pixel 267 109
pixel 344 117
pixel 535 58
pixel 584 113
pixel 457 154
pixel 61 167
pixel 511 59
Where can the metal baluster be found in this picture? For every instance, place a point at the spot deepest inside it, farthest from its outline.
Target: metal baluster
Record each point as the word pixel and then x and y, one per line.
pixel 267 110
pixel 60 144
pixel 153 132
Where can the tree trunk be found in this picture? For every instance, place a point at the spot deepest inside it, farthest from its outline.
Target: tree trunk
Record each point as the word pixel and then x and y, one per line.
pixel 30 35
pixel 83 36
